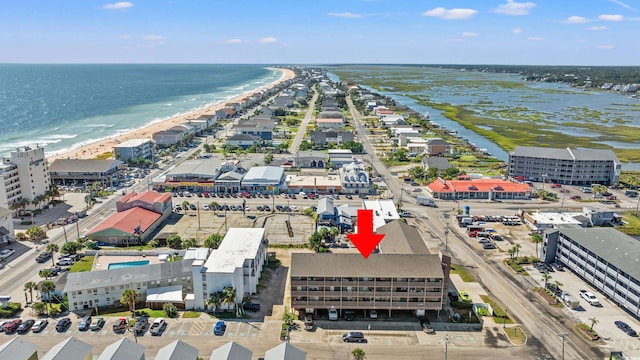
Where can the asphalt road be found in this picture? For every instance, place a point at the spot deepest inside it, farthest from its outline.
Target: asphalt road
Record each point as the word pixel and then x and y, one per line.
pixel 302 129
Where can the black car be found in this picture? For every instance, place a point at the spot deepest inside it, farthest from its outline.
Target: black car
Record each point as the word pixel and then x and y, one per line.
pixel 44 256
pixel 63 324
pixel 251 306
pixel 348 315
pixel 626 328
pixel 25 326
pixel 354 336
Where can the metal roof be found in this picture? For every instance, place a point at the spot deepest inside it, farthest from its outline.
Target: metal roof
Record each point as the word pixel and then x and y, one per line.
pixel 285 351
pixel 565 154
pixel 123 349
pixel 401 238
pixel 69 349
pixel 263 174
pixel 616 248
pixel 231 351
pixel 376 265
pixel 177 350
pixel 17 349
pixel 83 165
pixel 202 167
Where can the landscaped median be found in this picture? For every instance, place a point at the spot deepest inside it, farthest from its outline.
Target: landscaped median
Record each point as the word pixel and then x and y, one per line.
pixel 516 335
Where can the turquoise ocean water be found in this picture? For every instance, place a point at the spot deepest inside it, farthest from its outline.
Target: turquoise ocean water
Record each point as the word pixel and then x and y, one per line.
pixel 64 106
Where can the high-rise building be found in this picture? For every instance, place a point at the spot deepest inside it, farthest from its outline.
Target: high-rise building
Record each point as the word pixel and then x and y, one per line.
pixel 25 175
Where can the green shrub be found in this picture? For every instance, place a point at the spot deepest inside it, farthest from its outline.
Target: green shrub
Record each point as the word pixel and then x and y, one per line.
pixel 12 309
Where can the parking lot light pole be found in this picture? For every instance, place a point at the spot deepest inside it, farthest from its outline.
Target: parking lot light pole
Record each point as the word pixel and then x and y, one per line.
pixel 446 240
pixel 504 321
pixel 564 340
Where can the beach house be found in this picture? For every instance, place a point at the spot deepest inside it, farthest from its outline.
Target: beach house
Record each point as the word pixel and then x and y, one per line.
pixel 134 149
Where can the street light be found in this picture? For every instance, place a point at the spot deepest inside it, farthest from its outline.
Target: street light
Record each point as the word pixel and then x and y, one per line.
pixel 564 340
pixel 446 240
pixel 504 321
pixel 544 176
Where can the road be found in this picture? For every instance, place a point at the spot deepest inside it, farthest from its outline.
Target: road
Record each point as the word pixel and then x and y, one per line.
pixel 302 129
pixel 500 284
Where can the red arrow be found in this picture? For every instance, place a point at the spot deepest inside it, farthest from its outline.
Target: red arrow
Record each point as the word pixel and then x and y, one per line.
pixel 365 240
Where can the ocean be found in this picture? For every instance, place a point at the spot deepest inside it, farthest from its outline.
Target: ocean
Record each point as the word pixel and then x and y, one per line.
pixel 63 107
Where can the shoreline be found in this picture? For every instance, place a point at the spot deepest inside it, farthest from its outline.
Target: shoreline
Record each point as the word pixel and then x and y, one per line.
pixel 92 149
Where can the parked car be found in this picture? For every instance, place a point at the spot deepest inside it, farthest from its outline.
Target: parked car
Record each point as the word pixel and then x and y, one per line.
pixel 626 328
pixel 157 327
pixel 219 328
pixel 354 336
pixel 373 314
pixel 251 306
pixel 3 324
pixel 308 322
pixel 6 253
pixel 65 262
pixel 488 246
pixel 25 326
pixel 590 298
pixel 85 323
pixel 120 325
pixel 43 257
pixel 348 315
pixel 333 314
pixel 141 325
pixel 63 324
pixel 39 325
pixel 97 325
pixel 12 326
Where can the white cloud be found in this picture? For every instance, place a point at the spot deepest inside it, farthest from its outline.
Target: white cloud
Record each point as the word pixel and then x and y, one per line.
pixel 610 17
pixel 450 14
pixel 605 46
pixel 347 14
pixel 623 5
pixel 268 40
pixel 576 20
pixel 516 31
pixel 469 34
pixel 153 38
pixel 598 28
pixel 232 41
pixel 118 6
pixel 126 37
pixel 535 38
pixel 515 8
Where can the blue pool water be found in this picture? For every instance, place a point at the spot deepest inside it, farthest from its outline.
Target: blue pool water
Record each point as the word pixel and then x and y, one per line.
pixel 127 264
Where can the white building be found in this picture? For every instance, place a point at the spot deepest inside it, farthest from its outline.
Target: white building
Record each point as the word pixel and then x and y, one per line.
pixel 6 225
pixel 354 179
pixel 237 263
pixel 384 211
pixel 26 176
pixel 134 149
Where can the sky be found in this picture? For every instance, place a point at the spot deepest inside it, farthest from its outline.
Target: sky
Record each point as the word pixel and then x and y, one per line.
pixel 536 32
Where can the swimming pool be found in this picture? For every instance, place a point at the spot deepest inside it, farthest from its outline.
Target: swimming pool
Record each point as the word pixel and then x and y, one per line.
pixel 127 264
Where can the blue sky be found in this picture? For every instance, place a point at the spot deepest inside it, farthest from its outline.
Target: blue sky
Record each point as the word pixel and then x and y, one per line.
pixel 586 32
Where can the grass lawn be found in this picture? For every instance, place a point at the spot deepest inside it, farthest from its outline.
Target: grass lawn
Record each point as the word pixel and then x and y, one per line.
pixel 459 269
pixel 191 314
pixel 124 312
pixel 84 264
pixel 499 315
pixel 227 315
pixel 516 335
pixel 633 224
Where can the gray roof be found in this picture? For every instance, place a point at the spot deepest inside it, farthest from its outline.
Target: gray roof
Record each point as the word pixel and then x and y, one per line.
pixel 230 175
pixel 231 351
pixel 205 167
pixel 285 351
pixel 312 154
pixel 437 141
pixel 17 349
pixel 238 137
pixel 376 265
pixel 69 349
pixel 4 212
pixel 123 349
pixel 115 277
pixel 565 154
pixel 614 247
pixel 325 205
pixel 401 238
pixel 83 165
pixel 177 350
pixel 438 162
pixel 263 173
pixel 350 210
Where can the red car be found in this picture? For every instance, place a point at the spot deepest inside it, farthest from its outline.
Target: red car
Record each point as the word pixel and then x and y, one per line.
pixel 12 326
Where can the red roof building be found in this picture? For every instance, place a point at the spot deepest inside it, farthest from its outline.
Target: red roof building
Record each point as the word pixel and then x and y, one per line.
pixel 136 217
pixel 489 189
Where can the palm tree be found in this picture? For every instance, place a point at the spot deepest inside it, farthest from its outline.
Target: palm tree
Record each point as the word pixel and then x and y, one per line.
pixel 536 239
pixel 46 273
pixel 557 284
pixel 517 247
pixel 40 308
pixel 546 277
pixel 53 248
pixel 593 321
pixel 215 300
pixel 129 297
pixel 358 354
pixel 30 286
pixel 229 297
pixel 511 252
pixel 334 231
pixel 48 287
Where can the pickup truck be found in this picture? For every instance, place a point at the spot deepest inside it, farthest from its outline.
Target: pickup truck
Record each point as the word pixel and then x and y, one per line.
pixel 590 298
pixel 251 306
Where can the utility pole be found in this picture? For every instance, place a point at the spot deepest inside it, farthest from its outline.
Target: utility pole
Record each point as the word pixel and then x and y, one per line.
pixel 198 212
pixel 65 234
pixel 564 340
pixel 446 346
pixel 446 239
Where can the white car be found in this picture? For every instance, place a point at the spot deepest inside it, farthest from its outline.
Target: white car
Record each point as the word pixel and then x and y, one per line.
pixel 294 208
pixel 590 298
pixel 373 314
pixel 333 314
pixel 204 207
pixel 6 253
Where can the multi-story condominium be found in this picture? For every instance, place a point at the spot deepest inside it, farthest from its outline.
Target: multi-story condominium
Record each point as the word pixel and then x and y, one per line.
pixel 6 225
pixel 604 257
pixel 354 179
pixel 134 149
pixel 237 263
pixel 324 281
pixel 565 166
pixel 25 175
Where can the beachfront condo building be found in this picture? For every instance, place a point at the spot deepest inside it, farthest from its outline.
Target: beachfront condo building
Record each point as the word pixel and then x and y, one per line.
pixel 25 177
pixel 565 166
pixel 134 149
